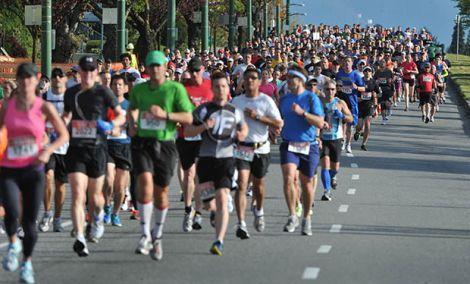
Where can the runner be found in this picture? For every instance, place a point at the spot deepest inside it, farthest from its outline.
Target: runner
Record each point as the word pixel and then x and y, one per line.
pixel 155 108
pixel 22 168
pixel 384 79
pixel 410 70
pixel 253 155
pixel 56 171
pixel 221 124
pixel 199 91
pixel 336 111
pixel 119 161
pixel 427 98
pixel 303 114
pixel 85 111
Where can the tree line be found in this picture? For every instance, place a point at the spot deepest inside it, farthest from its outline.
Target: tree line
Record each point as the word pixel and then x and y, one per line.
pixel 461 35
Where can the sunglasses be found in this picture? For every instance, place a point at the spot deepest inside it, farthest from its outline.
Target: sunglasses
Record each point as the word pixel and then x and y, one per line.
pixel 252 77
pixel 330 89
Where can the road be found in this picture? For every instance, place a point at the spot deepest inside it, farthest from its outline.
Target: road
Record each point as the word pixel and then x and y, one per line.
pixel 400 215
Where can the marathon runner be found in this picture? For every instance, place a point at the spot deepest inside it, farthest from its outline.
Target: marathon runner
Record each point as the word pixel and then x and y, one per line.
pixel 426 86
pixel 384 79
pixel 156 106
pixel 56 171
pixel 221 124
pixel 303 114
pixel 85 111
pixel 22 167
pixel 410 70
pixel 253 155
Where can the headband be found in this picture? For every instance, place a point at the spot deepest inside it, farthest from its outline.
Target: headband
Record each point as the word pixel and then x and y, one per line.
pixel 298 74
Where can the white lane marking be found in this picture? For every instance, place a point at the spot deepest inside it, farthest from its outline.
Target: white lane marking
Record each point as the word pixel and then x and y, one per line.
pixel 65 224
pixel 335 228
pixel 354 165
pixel 355 177
pixel 350 155
pixel 324 249
pixel 343 208
pixel 351 191
pixel 311 273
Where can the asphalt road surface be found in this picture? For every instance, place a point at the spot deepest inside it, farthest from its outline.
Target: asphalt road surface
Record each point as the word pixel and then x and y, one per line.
pixel 401 214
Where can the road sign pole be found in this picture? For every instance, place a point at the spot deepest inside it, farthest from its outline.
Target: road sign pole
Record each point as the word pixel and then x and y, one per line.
pixel 287 15
pixel 249 15
pixel 171 35
pixel 231 24
pixel 278 20
pixel 205 25
pixel 265 21
pixel 121 29
pixel 46 41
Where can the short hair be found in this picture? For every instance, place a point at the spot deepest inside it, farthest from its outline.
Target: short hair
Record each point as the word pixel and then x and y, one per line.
pixel 119 77
pixel 250 69
pixel 217 75
pixel 124 55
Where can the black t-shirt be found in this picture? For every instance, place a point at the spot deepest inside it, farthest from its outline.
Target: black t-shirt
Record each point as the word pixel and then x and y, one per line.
pixel 87 107
pixel 329 73
pixel 366 97
pixel 385 80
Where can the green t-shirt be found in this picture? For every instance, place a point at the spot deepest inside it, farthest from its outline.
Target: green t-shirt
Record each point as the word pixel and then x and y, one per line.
pixel 170 96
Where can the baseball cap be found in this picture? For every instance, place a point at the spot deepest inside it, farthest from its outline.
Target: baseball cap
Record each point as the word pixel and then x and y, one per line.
pixel 155 57
pixel 362 61
pixel 195 64
pixel 367 68
pixel 27 70
pixel 88 63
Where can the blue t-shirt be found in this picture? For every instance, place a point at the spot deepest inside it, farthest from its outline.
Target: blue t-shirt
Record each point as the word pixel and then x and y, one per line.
pixel 346 81
pixel 296 128
pixel 123 138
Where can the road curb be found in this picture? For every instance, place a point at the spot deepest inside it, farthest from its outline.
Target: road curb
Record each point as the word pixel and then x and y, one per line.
pixel 461 98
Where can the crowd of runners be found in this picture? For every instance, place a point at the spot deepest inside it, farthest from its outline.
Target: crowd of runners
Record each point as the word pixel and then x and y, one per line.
pixel 118 136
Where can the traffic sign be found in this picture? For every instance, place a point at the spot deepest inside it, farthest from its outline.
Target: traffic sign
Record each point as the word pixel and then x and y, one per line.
pixel 32 15
pixel 197 17
pixel 110 16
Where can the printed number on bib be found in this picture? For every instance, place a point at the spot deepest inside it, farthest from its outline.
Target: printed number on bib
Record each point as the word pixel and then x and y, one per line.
pixel 366 96
pixel 382 81
pixel 427 79
pixel 22 148
pixel 244 153
pixel 84 129
pixel 299 147
pixel 206 191
pixel 149 122
pixel 346 89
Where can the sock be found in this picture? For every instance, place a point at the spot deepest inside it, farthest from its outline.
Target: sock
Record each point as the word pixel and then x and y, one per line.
pixel 188 209
pixel 81 238
pixel 242 223
pixel 160 216
pixel 259 212
pixel 99 216
pixel 326 179
pixel 333 173
pixel 145 211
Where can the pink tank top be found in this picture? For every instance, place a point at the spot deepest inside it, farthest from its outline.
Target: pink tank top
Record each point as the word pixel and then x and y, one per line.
pixel 25 134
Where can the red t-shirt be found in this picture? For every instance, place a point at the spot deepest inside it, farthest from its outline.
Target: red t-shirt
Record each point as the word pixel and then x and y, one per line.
pixel 269 89
pixel 426 82
pixel 407 68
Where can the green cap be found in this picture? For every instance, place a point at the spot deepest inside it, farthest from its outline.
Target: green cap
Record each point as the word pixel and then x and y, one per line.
pixel 155 57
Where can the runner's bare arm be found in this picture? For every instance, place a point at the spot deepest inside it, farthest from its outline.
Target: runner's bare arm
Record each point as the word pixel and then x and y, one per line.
pixel 131 118
pixel 242 132
pixel 193 130
pixel 345 110
pixel 179 117
pixel 120 117
pixel 59 126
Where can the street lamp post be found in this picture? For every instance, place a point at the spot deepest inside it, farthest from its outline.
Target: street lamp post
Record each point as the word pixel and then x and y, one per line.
pixel 205 24
pixel 458 36
pixel 278 20
pixel 231 24
pixel 171 33
pixel 265 21
pixel 121 28
pixel 46 42
pixel 249 15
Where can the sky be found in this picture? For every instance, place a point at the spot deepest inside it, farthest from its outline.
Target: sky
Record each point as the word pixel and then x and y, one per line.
pixel 437 15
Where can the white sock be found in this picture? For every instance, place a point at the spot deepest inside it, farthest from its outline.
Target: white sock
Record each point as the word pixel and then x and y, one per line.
pixel 242 223
pixel 145 211
pixel 160 216
pixel 100 215
pixel 259 213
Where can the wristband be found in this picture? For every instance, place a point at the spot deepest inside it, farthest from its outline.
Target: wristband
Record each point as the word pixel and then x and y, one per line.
pixel 167 116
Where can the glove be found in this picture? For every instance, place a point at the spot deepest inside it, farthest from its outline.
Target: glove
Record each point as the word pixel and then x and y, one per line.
pixel 338 114
pixel 104 126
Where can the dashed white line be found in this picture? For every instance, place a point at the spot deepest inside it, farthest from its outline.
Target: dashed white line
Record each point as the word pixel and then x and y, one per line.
pixel 311 273
pixel 350 155
pixel 354 165
pixel 343 208
pixel 335 228
pixel 355 177
pixel 324 249
pixel 351 191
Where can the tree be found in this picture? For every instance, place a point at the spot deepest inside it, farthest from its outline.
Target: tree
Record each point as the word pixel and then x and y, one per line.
pixel 460 36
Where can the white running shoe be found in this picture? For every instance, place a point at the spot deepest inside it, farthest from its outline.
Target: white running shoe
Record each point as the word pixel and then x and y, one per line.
pixel 144 246
pixel 348 149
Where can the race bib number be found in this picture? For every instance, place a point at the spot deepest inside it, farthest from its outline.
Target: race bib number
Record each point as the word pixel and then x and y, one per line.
pixel 346 89
pixel 382 81
pixel 366 96
pixel 194 138
pixel 22 148
pixel 244 153
pixel 427 79
pixel 150 122
pixel 206 191
pixel 412 76
pixel 299 147
pixel 84 129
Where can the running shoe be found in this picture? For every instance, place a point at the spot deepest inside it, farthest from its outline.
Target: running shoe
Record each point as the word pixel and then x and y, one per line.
pixel 427 120
pixel 135 215
pixel 156 253
pixel 363 147
pixel 292 223
pixel 57 225
pixel 356 135
pixel 259 223
pixel 197 221
pixel 217 248
pixel 80 247
pixel 27 272
pixel 188 221
pixel 212 218
pixel 116 220
pixel 334 183
pixel 249 191
pixel 2 228
pixel 306 227
pixel 107 215
pixel 97 231
pixel 395 104
pixel 348 149
pixel 298 210
pixel 343 147
pixel 144 246
pixel 431 119
pixel 242 232
pixel 10 261
pixel 46 221
pixel 326 197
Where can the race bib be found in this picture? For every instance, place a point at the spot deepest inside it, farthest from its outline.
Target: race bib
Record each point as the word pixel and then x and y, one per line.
pixel 382 81
pixel 346 89
pixel 194 138
pixel 84 129
pixel 427 79
pixel 366 96
pixel 412 76
pixel 149 122
pixel 206 191
pixel 122 135
pixel 244 153
pixel 299 147
pixel 22 148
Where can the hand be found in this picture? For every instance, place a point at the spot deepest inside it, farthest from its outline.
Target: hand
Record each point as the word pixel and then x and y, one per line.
pixel 210 123
pixel 354 86
pixel 326 126
pixel 251 113
pixel 297 109
pixel 104 127
pixel 338 114
pixel 240 136
pixel 43 157
pixel 132 131
pixel 158 112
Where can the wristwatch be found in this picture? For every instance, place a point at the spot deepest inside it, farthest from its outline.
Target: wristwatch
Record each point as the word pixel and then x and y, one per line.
pixel 258 117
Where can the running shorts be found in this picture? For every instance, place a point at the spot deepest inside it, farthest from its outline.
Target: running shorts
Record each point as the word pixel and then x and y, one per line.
pixel 220 171
pixel 87 160
pixel 57 164
pixel 120 155
pixel 188 152
pixel 332 149
pixel 306 164
pixel 258 167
